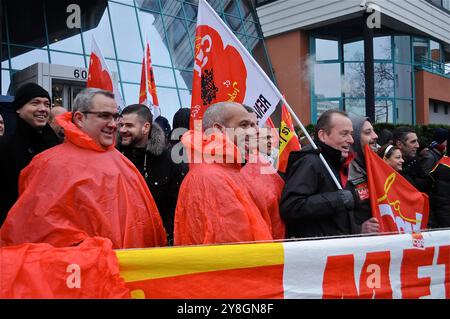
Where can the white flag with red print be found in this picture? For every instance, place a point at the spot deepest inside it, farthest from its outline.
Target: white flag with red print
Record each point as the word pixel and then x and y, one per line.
pixel 99 76
pixel 225 71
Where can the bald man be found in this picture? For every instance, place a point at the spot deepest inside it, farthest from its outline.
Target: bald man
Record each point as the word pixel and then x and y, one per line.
pixel 54 112
pixel 214 203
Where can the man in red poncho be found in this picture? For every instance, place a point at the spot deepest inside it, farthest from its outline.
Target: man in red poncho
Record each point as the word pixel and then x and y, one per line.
pixel 84 187
pixel 214 204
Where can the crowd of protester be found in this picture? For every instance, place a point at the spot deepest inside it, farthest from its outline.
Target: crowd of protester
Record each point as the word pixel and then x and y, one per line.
pixel 136 180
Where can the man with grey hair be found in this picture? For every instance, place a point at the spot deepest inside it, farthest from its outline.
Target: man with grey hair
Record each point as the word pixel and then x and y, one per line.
pixel 214 204
pixel 84 187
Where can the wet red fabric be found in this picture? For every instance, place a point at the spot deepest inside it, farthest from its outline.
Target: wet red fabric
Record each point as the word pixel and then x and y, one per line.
pixel 90 270
pixel 214 205
pixel 78 190
pixel 265 187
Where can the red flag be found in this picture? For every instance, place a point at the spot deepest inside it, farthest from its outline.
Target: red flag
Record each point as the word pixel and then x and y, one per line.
pixel 99 75
pixel 89 270
pixel 148 85
pixel 397 205
pixel 225 71
pixel 288 139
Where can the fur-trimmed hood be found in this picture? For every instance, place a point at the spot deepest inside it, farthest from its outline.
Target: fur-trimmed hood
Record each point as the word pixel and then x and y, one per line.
pixel 157 141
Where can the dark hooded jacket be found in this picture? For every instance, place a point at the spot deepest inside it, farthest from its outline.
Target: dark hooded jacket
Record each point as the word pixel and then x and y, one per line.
pixel 162 175
pixel 311 204
pixel 17 150
pixel 357 175
pixel 440 195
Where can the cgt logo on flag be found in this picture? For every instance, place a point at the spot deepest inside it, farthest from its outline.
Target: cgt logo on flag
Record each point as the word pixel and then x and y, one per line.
pixel 397 205
pixel 391 208
pixel 220 69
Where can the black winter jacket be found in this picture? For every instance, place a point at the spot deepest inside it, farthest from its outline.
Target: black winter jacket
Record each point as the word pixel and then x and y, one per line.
pixel 440 197
pixel 162 175
pixel 413 172
pixel 311 204
pixel 16 152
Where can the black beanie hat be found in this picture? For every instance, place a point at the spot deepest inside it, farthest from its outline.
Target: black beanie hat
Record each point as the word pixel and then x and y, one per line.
pixel 440 135
pixel 27 92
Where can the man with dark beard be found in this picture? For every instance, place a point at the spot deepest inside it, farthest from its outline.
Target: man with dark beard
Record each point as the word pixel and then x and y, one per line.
pixel 143 143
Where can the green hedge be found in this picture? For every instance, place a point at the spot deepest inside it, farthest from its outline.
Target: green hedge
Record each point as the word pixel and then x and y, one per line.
pixel 424 132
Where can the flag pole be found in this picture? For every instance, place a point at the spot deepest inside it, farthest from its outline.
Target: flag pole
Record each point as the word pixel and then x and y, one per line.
pixel 255 64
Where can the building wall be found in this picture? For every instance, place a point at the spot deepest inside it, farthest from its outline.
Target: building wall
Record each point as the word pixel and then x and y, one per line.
pixel 287 15
pixel 429 86
pixel 289 55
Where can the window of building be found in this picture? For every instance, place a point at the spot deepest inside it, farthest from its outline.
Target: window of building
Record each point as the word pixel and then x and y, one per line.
pixel 354 51
pixel 382 48
pixel 435 107
pixel 327 80
pixel 435 51
pixel 446 109
pixel 420 50
pixel 402 49
pixel 326 49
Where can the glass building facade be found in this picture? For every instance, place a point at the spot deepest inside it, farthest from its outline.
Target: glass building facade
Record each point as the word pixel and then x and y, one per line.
pixel 338 76
pixel 120 29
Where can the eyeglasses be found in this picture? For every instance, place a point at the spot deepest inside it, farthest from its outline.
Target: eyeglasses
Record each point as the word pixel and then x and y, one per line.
pixel 106 116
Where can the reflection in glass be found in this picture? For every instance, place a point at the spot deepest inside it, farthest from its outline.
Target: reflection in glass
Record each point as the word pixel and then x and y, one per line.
pixel 355 107
pixel 67 59
pixel 354 81
pixel 126 33
pixel 384 80
pixel 172 8
pixel 169 102
pixel 148 4
pixel 179 41
pixel 402 49
pixel 72 44
pixel 231 8
pixel 327 80
pixel 354 51
pixel 435 51
pixel 164 76
pixel 131 92
pixel 34 16
pixel 235 24
pixel 184 79
pixel 420 50
pixel 191 11
pixel 130 72
pixel 403 81
pixel 102 34
pixel 326 50
pixel 151 24
pixel 404 112
pixel 322 106
pixel 382 48
pixel 185 97
pixel 21 61
pixel 251 28
pixel 5 55
pixel 384 111
pixel 5 82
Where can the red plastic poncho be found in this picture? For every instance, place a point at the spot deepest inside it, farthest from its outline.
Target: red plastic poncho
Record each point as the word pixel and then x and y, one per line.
pixel 89 270
pixel 76 190
pixel 265 187
pixel 214 205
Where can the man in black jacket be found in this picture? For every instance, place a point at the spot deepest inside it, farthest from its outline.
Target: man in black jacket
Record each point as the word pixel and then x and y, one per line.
pixel 311 204
pixel 144 144
pixel 405 138
pixel 32 136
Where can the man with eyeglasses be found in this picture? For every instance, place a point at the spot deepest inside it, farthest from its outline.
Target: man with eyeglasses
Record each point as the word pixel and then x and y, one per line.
pixel 85 187
pixel 32 135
